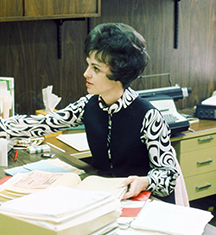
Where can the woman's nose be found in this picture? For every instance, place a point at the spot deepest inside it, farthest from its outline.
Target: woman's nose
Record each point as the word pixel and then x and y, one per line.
pixel 87 73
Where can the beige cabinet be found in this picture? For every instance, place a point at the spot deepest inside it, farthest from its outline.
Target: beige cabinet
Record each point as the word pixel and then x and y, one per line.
pixel 196 153
pixel 19 10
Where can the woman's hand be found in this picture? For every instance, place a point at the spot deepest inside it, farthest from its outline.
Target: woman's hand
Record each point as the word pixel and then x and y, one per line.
pixel 136 185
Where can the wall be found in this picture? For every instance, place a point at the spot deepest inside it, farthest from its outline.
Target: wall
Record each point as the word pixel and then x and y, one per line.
pixel 29 50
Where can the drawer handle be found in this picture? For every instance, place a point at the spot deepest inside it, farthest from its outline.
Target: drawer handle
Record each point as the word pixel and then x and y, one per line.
pixel 206 162
pixel 205 186
pixel 206 139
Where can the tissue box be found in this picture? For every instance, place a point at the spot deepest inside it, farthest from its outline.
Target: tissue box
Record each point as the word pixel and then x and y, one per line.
pixel 42 111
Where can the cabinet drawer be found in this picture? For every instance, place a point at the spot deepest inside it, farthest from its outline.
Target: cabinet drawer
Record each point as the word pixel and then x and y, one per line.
pixel 202 142
pixel 198 162
pixel 59 7
pixel 11 8
pixel 201 185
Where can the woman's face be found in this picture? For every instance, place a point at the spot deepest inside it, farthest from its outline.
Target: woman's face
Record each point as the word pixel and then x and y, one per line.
pixel 96 80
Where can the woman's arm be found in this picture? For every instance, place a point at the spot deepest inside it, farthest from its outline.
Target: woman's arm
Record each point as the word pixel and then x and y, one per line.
pixel 39 125
pixel 161 179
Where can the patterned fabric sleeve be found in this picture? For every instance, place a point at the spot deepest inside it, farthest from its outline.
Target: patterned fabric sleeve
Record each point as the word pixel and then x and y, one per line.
pixel 39 125
pixel 156 136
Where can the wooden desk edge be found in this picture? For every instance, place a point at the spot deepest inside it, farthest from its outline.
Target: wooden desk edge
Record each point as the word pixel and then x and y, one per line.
pixel 204 127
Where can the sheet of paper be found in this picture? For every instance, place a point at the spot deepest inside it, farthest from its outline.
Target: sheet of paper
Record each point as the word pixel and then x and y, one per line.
pixel 76 140
pixel 210 101
pixel 97 183
pixel 172 219
pixel 37 180
pixel 49 165
pixel 43 165
pixel 59 163
pixel 13 171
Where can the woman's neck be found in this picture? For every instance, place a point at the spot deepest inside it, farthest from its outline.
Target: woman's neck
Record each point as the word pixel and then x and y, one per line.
pixel 112 97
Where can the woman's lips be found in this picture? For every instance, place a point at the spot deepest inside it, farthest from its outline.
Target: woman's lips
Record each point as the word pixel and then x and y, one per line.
pixel 88 83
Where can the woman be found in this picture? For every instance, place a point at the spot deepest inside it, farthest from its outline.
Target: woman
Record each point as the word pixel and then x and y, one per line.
pixel 127 136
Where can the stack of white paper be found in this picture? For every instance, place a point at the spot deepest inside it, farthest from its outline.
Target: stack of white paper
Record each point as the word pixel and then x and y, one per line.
pixel 61 207
pixel 172 219
pixel 26 183
pixel 55 204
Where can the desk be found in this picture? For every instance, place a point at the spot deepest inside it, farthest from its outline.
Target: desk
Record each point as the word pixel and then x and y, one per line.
pixel 24 158
pixel 196 152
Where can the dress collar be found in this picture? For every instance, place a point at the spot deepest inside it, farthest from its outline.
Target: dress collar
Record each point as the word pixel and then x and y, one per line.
pixel 124 101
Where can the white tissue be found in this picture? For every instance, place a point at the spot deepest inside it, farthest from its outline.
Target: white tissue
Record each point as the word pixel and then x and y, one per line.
pixel 50 100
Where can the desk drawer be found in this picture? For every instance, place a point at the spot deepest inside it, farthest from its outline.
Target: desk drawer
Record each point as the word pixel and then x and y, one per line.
pixel 202 142
pixel 201 185
pixel 198 162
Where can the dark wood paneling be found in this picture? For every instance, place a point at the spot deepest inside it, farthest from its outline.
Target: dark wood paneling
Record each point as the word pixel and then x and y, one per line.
pixel 29 54
pixel 59 7
pixel 9 8
pixel 29 50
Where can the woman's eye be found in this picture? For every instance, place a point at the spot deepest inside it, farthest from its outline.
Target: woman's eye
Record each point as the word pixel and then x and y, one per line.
pixel 96 69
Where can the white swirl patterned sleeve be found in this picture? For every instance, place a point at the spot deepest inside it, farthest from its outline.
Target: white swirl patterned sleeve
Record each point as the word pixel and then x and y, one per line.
pixel 156 135
pixel 39 125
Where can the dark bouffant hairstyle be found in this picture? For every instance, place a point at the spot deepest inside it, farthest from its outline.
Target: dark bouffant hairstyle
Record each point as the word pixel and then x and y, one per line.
pixel 121 47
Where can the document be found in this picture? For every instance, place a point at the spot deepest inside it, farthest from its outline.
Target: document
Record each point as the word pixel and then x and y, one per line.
pixel 83 208
pixel 98 183
pixel 49 165
pixel 172 219
pixel 24 184
pixel 76 140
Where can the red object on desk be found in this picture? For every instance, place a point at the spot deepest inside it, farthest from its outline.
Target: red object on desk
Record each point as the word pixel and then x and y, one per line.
pixel 143 196
pixel 15 156
pixel 4 179
pixel 134 211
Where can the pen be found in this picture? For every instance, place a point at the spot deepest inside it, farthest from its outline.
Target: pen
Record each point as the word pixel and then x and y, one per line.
pixel 15 155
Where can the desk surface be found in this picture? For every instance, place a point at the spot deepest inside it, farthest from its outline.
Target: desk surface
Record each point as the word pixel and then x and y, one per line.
pixel 204 126
pixel 24 158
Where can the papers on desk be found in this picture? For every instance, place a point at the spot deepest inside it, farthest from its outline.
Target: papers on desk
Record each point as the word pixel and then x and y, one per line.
pixel 64 209
pixel 76 140
pixel 26 183
pixel 43 205
pixel 23 184
pixel 172 219
pixel 49 165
